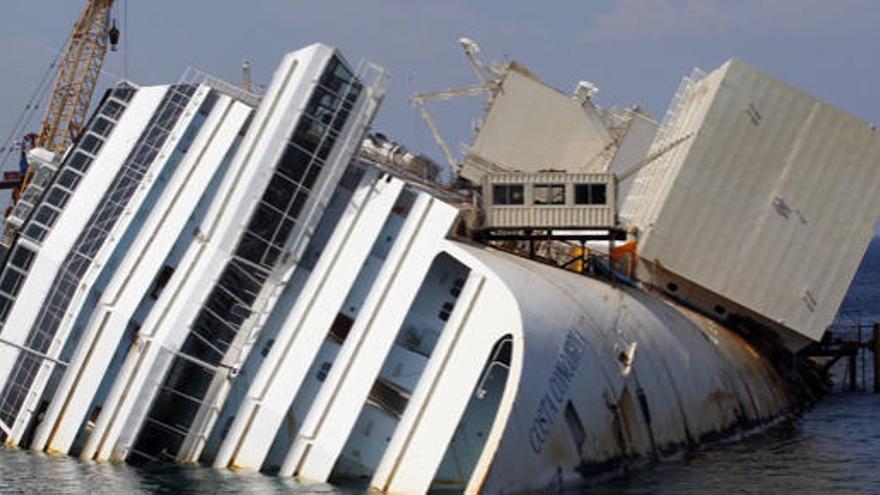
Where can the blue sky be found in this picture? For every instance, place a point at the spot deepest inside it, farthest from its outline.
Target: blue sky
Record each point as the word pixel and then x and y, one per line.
pixel 636 51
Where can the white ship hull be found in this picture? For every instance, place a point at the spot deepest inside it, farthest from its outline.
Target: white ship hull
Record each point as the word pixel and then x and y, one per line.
pixel 262 301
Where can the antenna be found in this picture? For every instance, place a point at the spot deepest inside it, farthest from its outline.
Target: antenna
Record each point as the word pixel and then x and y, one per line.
pixel 246 83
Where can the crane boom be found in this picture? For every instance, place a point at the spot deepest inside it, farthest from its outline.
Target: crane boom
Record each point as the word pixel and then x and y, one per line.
pixel 77 76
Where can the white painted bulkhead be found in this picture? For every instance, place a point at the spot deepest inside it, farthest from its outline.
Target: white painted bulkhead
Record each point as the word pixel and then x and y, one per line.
pixel 137 274
pixel 58 242
pixel 156 177
pixel 273 124
pixel 297 344
pixel 330 420
pixel 225 218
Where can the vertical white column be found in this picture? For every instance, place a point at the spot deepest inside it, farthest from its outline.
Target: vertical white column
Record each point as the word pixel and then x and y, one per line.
pixel 134 277
pixel 338 404
pixel 284 369
pixel 485 314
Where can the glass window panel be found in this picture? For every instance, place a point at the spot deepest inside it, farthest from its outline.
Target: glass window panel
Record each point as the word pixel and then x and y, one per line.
pixel 339 121
pixel 102 126
pixel 272 256
pixel 264 221
pixel 308 134
pixel 35 232
pixel 238 283
pixel 57 197
pixel 11 282
pixel 124 93
pixel 283 231
pixel 174 409
pixel 598 194
pixel 91 143
pixel 188 378
pixel 5 306
pixel 549 194
pixel 337 77
pixel 79 161
pixel 112 109
pixel 312 176
pixel 68 179
pixel 252 248
pixel 326 146
pixel 294 162
pixel 196 346
pixel 279 192
pixel 46 215
pixel 507 194
pixel 590 194
pixel 208 103
pixel 22 258
pixel 322 105
pixel 297 204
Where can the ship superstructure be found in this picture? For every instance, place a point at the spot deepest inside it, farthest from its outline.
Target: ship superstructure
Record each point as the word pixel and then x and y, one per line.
pixel 259 282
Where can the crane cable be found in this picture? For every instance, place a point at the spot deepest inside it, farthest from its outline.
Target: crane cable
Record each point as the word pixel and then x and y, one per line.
pixel 27 115
pixel 125 30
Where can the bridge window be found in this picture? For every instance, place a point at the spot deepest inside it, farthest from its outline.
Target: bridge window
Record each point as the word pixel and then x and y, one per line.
pixel 590 194
pixel 549 194
pixel 507 194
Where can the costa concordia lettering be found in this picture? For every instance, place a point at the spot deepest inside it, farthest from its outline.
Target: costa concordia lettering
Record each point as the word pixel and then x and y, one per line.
pixel 266 283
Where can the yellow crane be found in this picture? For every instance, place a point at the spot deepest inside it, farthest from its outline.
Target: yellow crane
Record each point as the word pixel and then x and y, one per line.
pixel 76 79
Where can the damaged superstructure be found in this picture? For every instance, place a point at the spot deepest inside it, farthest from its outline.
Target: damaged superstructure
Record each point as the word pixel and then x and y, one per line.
pixel 259 283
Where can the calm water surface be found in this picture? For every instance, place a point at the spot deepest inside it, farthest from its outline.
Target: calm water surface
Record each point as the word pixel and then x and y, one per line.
pixel 834 448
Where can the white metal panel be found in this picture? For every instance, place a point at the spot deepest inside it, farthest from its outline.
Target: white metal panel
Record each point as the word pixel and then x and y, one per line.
pixel 135 274
pixel 332 416
pixel 117 230
pixel 771 204
pixel 72 219
pixel 225 219
pixel 282 373
pixel 532 127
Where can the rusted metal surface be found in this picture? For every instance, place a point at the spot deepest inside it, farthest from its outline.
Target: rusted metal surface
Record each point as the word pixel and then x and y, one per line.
pixel 644 377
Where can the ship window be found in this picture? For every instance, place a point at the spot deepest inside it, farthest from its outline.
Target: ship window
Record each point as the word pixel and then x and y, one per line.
pixel 208 103
pixel 549 194
pixel 22 258
pixel 590 194
pixel 161 281
pixel 297 204
pixel 123 93
pixel 337 77
pixel 91 144
pixel 326 146
pixel 35 232
pixel 68 179
pixel 112 109
pixel 507 194
pixel 102 126
pixel 322 105
pixel 57 197
pixel 11 282
pixel 5 304
pixel 308 133
pixel 46 215
pixel 312 176
pixel 279 191
pixel 79 161
pixel 294 163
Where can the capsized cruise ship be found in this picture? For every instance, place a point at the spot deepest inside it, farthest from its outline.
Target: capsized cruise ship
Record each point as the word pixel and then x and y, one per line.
pixel 264 283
